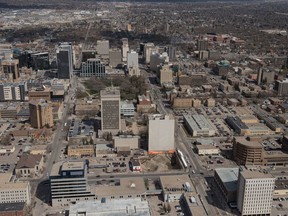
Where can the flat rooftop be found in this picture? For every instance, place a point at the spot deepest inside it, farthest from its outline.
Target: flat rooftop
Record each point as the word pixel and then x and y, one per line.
pixel 255 174
pixel 229 177
pixel 199 122
pixel 6 182
pixel 119 207
pixel 175 182
pixel 67 166
pixel 11 207
pixel 110 92
pixel 127 186
pixel 245 142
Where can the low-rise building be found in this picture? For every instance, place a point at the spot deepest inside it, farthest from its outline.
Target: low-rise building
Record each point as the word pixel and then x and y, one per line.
pixel 135 165
pixel 207 150
pixel 43 93
pixel 210 102
pixel 175 186
pixel 122 188
pixel 121 207
pixel 29 165
pixel 199 125
pixel 12 209
pixel 182 102
pixel 13 191
pixel 38 149
pixel 196 103
pixel 80 150
pixel 9 110
pixel 127 108
pixel 126 141
pixel 282 118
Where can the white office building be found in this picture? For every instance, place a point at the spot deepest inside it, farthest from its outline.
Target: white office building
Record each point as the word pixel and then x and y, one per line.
pixel 161 134
pixel 132 59
pixel 255 192
pixel 125 49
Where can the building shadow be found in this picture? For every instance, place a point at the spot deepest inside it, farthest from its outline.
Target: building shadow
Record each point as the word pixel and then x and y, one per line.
pixel 43 191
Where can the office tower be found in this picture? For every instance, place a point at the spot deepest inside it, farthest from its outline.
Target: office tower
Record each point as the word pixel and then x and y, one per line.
pixel 161 134
pixel 125 49
pixel 65 60
pixel 102 48
pixel 110 110
pixel 12 91
pixel 93 67
pixel 132 59
pixel 41 114
pixel 10 69
pixel 202 44
pixel 149 48
pixel 171 53
pixel 281 86
pixel 40 61
pixel 255 192
pixel 157 60
pixel 166 75
pixel 264 76
pixel 115 58
pixel 69 183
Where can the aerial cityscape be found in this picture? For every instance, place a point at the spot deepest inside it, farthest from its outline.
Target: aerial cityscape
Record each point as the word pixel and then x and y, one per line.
pixel 143 108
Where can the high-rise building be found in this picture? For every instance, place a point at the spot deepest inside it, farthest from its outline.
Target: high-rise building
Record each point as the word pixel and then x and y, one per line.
pixel 115 58
pixel 102 48
pixel 157 60
pixel 255 192
pixel 93 67
pixel 265 76
pixel 202 44
pixel 12 92
pixel 41 113
pixel 65 60
pixel 161 134
pixel 166 74
pixel 132 59
pixel 149 48
pixel 281 86
pixel 34 60
pixel 40 61
pixel 69 183
pixel 125 49
pixel 110 110
pixel 171 53
pixel 10 69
